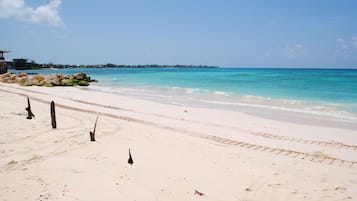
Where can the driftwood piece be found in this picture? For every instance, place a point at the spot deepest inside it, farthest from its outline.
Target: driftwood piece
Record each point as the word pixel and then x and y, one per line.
pixel 199 193
pixel 53 115
pixel 28 109
pixel 92 134
pixel 130 160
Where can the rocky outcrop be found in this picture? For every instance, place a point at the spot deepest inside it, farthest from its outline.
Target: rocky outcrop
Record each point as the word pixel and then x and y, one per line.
pixel 23 79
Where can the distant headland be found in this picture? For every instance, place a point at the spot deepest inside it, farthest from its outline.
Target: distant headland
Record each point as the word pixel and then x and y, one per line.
pixel 23 64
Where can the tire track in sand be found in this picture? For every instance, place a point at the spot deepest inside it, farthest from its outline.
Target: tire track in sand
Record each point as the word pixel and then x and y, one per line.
pixel 315 157
pixel 332 144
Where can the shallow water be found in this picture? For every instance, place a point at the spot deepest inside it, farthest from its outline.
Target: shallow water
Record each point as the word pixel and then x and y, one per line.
pixel 321 92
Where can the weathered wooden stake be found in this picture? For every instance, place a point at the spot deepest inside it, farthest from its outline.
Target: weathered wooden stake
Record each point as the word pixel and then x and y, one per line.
pixel 28 109
pixel 92 134
pixel 199 193
pixel 53 115
pixel 130 160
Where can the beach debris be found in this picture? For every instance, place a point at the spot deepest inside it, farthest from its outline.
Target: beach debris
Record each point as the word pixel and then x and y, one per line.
pixel 248 189
pixel 52 80
pixel 130 160
pixel 53 115
pixel 339 188
pixel 199 193
pixel 28 109
pixel 92 134
pixel 12 162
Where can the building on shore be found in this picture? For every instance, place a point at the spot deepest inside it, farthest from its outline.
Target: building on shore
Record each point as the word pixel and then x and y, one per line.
pixel 9 64
pixel 21 64
pixel 3 64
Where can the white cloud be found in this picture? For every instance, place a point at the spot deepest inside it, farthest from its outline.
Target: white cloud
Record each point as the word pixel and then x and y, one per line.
pixel 346 48
pixel 43 14
pixel 267 56
pixel 354 41
pixel 296 51
pixel 341 44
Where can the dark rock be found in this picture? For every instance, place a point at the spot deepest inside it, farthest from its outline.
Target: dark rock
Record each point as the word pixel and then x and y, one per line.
pixel 83 83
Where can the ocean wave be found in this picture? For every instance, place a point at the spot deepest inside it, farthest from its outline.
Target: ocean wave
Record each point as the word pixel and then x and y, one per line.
pixel 221 93
pixel 184 90
pixel 191 90
pixel 299 107
pixel 253 98
pixel 188 96
pixel 197 91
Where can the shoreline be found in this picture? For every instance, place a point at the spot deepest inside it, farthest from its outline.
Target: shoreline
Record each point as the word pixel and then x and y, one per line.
pixel 142 84
pixel 227 155
pixel 268 111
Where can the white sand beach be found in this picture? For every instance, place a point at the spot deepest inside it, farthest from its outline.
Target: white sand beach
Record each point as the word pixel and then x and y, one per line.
pixel 177 151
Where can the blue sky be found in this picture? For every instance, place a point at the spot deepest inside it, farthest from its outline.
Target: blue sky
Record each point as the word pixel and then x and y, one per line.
pixel 300 33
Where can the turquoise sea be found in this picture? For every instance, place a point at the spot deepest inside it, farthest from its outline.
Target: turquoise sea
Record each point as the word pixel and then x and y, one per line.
pixel 324 92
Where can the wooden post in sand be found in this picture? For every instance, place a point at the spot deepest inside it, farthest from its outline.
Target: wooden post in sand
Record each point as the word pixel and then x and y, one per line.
pixel 28 109
pixel 92 134
pixel 130 160
pixel 53 115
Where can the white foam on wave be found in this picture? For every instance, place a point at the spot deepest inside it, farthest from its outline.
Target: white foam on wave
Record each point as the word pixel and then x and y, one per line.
pixel 183 90
pixel 221 93
pixel 253 98
pixel 188 90
pixel 191 90
pixel 183 96
pixel 303 108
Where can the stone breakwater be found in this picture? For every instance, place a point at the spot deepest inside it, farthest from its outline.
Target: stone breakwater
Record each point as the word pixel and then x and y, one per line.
pixel 23 79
